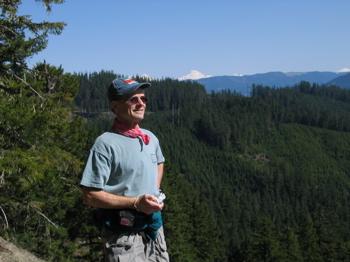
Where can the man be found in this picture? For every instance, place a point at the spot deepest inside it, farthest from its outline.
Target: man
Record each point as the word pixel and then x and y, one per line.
pixel 122 178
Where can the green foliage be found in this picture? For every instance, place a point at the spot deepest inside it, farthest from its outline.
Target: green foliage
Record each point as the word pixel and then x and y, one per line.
pixel 261 164
pixel 42 148
pixel 43 144
pixel 21 37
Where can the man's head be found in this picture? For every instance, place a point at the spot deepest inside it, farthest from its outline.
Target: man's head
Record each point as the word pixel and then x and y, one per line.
pixel 122 87
pixel 127 99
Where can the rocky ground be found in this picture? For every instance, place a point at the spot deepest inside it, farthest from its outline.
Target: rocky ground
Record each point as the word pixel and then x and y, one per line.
pixel 10 253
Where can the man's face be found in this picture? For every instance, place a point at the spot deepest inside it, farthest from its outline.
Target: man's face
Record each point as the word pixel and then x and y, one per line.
pixel 132 109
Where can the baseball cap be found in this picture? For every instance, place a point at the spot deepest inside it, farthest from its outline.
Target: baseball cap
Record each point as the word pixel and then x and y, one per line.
pixel 121 87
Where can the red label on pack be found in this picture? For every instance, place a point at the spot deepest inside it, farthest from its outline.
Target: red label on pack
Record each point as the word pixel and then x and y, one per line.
pixel 125 222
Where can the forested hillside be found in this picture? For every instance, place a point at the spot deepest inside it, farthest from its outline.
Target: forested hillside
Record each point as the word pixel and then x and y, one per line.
pixel 259 178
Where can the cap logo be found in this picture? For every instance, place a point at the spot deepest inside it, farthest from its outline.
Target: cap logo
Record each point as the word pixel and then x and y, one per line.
pixel 129 81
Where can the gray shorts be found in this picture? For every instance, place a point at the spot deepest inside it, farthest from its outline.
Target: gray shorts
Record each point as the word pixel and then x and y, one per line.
pixel 135 247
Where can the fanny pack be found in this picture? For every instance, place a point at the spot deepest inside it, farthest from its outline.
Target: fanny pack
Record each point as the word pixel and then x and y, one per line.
pixel 128 220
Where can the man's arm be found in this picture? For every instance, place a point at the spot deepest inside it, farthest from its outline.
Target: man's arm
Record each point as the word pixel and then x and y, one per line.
pixel 160 174
pixel 101 199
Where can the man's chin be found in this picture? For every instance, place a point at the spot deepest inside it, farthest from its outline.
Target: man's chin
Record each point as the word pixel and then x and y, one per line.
pixel 138 118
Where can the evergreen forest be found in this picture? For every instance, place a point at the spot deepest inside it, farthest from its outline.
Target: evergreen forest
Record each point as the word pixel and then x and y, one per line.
pixel 263 177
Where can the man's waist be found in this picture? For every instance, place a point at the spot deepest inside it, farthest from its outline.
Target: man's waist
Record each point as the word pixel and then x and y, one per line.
pixel 126 219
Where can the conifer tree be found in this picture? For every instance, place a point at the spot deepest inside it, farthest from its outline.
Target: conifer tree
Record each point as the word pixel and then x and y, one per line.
pixel 21 38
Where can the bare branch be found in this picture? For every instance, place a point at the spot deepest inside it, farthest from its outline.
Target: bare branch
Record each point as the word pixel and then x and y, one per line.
pixel 2 179
pixel 27 84
pixel 41 214
pixel 6 222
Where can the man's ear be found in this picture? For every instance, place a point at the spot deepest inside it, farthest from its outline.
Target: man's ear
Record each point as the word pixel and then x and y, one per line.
pixel 114 105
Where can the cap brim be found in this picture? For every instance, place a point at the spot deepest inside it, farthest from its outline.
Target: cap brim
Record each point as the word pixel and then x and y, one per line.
pixel 137 87
pixel 114 95
pixel 143 86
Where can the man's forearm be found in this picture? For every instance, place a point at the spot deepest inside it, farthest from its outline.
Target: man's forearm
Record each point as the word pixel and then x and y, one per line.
pixel 160 174
pixel 102 199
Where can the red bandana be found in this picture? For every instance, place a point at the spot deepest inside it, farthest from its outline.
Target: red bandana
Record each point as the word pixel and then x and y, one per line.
pixel 133 132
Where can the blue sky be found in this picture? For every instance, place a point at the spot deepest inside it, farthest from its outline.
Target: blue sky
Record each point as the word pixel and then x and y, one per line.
pixel 163 38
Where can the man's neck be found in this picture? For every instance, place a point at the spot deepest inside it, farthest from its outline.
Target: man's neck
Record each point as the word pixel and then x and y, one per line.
pixel 127 124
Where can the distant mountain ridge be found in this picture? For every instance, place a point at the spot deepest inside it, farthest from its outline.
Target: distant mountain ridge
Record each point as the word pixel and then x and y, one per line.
pixel 242 84
pixel 341 81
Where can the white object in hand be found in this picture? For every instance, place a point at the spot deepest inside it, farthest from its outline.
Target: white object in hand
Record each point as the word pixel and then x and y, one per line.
pixel 161 197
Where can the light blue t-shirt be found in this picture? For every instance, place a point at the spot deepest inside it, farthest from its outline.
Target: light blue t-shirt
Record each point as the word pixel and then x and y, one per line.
pixel 122 165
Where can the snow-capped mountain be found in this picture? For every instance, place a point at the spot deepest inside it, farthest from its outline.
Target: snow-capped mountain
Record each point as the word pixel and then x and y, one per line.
pixel 193 75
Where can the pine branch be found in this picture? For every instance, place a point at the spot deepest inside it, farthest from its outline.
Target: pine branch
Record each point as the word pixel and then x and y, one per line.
pixel 9 29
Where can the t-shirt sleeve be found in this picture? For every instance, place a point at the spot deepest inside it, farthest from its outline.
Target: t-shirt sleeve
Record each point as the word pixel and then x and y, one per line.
pixel 97 170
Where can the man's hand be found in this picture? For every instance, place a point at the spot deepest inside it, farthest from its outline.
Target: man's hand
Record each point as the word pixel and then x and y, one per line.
pixel 147 204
